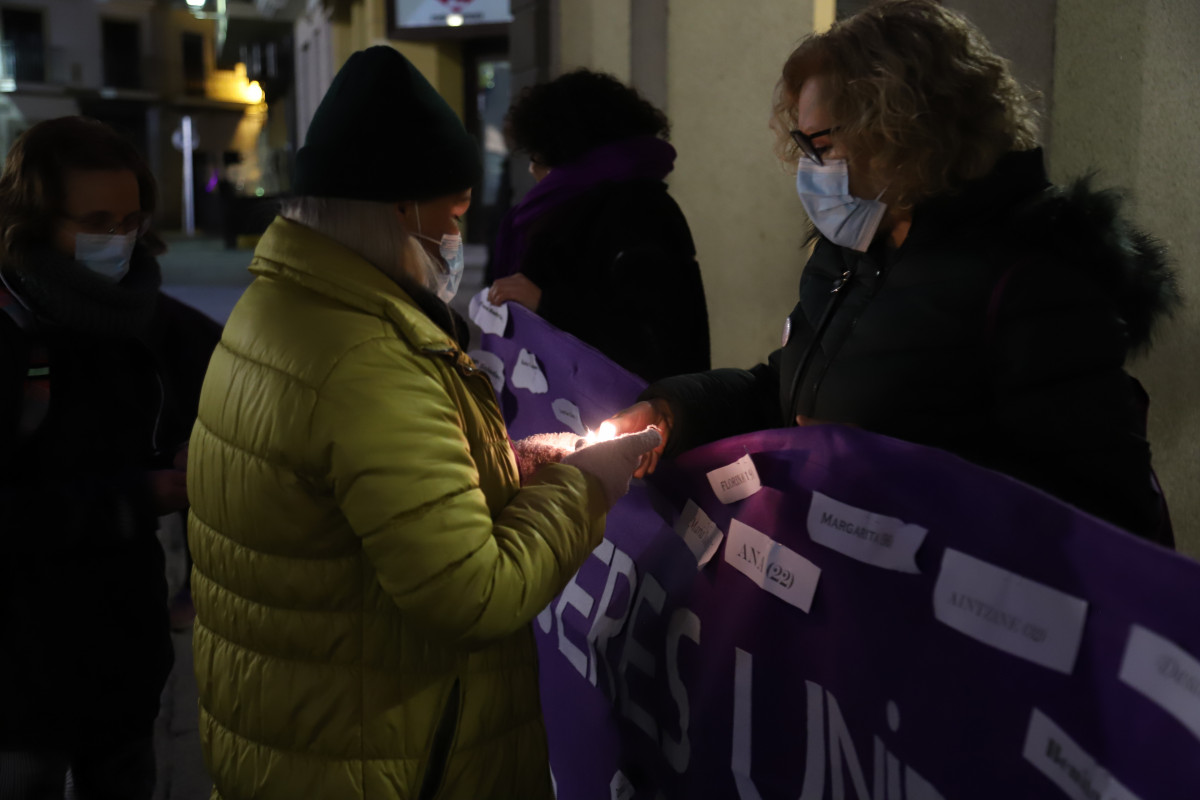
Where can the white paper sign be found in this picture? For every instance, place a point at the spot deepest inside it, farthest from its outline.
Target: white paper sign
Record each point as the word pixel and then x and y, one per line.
pixel 864 535
pixel 775 569
pixel 567 413
pixel 527 374
pixel 1060 758
pixel 490 319
pixel 735 482
pixel 1165 673
pixel 1011 613
pixel 699 533
pixel 492 365
pixel 620 788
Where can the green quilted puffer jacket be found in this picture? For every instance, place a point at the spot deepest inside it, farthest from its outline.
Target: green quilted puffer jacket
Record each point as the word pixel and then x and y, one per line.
pixel 367 563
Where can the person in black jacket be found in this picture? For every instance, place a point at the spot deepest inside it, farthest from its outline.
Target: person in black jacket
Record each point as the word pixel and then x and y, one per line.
pixel 597 244
pixel 955 298
pixel 89 435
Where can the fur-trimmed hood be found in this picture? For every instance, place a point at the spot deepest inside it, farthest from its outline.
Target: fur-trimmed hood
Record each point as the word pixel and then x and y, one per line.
pixel 1087 227
pixel 1074 225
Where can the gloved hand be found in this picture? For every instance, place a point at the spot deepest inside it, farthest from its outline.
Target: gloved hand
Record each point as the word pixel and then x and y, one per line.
pixel 614 461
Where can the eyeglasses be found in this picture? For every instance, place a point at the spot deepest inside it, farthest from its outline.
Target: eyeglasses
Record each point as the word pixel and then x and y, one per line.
pixel 804 142
pixel 101 223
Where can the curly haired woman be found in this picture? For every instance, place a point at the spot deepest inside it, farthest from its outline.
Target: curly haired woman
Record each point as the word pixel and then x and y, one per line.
pixel 955 297
pixel 596 245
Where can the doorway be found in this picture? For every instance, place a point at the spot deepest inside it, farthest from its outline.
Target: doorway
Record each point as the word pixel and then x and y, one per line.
pixel 488 92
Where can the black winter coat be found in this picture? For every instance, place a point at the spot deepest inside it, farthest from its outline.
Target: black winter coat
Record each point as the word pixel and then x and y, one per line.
pixel 617 269
pixel 84 637
pixel 998 331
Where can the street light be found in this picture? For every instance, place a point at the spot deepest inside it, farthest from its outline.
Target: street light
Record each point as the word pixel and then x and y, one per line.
pixel 196 3
pixel 453 20
pixel 253 93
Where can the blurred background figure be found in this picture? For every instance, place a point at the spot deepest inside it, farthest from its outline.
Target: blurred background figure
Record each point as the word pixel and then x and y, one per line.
pixel 91 429
pixel 955 297
pixel 598 248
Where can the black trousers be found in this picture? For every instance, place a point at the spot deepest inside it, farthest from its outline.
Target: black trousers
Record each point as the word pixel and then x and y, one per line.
pixel 105 771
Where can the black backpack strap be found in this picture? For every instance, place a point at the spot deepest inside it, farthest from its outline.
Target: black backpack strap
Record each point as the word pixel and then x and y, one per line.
pixel 35 391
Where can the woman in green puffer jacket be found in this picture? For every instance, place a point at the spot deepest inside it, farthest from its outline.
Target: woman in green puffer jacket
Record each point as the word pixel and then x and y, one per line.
pixel 367 563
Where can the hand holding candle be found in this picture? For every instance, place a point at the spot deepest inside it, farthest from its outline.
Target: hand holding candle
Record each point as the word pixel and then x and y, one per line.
pixel 613 461
pixel 639 416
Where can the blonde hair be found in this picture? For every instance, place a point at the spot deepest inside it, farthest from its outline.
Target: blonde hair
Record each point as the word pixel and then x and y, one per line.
pixel 371 230
pixel 916 95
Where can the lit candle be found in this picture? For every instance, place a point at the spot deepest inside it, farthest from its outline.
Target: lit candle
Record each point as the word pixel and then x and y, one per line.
pixel 607 431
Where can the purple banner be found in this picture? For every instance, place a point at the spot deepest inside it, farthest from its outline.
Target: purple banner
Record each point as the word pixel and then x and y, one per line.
pixel 826 613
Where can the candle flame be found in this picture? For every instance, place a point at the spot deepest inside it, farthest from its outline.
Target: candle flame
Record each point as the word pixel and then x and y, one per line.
pixel 607 431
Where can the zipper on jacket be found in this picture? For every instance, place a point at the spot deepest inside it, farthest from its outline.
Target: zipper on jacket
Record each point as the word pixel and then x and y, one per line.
pixel 439 751
pixel 880 274
pixel 838 293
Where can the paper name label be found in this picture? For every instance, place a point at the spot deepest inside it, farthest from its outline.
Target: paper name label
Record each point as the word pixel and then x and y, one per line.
pixel 775 569
pixel 492 366
pixel 1009 612
pixel 527 374
pixel 490 319
pixel 699 533
pixel 620 788
pixel 567 413
pixel 735 482
pixel 1165 673
pixel 863 535
pixel 1060 758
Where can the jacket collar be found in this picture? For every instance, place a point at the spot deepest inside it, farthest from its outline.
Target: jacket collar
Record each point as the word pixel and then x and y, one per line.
pixel 1017 177
pixel 290 251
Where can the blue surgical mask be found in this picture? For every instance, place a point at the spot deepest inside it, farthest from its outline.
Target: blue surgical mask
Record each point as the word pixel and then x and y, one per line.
pixel 841 217
pixel 105 254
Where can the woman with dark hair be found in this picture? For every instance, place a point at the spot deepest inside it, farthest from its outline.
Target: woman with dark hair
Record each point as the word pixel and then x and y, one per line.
pixel 598 242
pixel 86 467
pixel 955 297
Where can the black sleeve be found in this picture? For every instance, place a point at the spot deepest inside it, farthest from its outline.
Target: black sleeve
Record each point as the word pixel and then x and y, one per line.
pixel 1067 417
pixel 182 341
pixel 713 405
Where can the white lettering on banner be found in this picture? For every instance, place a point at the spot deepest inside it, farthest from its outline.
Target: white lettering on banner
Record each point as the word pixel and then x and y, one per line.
pixel 1165 673
pixel 1009 612
pixel 774 568
pixel 492 366
pixel 678 752
pixel 653 594
pixel 1060 758
pixel 527 374
pixel 864 535
pixel 490 319
pixel 699 533
pixel 843 755
pixel 607 623
pixel 605 626
pixel 567 413
pixel 581 601
pixel 735 482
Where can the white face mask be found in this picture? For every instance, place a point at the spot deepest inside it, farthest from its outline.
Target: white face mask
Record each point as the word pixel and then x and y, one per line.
pixel 841 217
pixel 451 250
pixel 105 254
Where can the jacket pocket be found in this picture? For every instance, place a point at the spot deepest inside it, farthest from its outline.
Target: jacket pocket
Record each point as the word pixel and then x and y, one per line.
pixel 443 739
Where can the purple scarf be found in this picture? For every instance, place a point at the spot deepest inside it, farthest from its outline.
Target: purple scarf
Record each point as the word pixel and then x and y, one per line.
pixel 625 160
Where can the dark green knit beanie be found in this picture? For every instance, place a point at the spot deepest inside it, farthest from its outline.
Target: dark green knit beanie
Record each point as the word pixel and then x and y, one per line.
pixel 383 133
